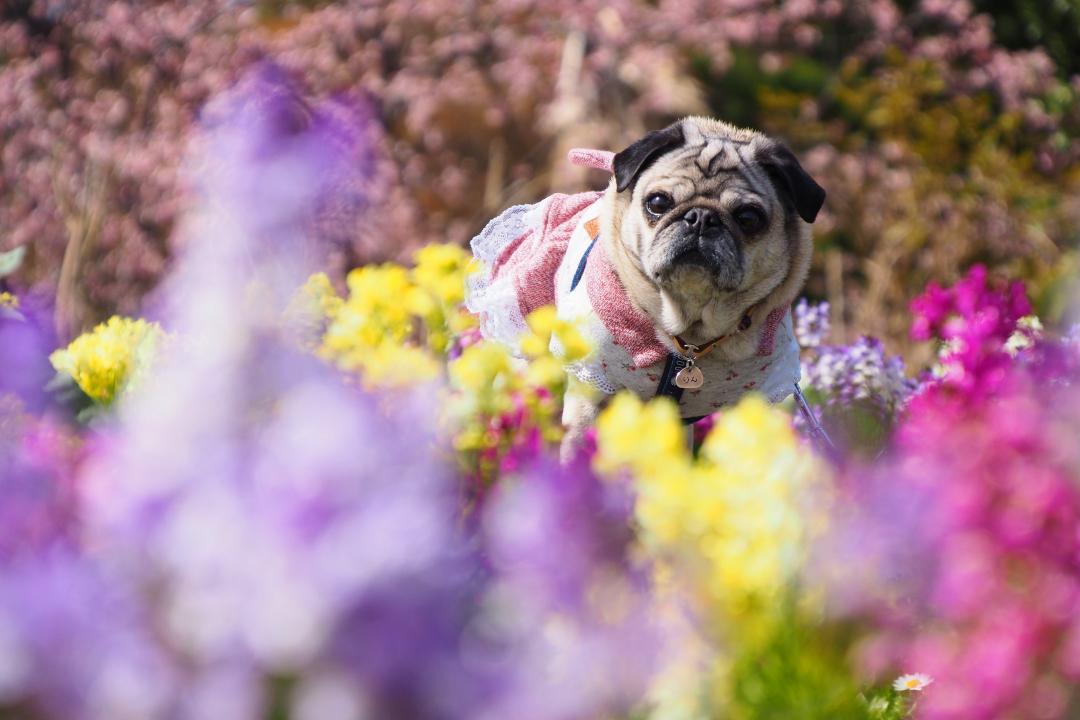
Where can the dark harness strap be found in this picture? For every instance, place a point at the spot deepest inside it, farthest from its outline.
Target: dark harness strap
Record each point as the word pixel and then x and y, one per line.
pixel 667 386
pixel 581 265
pixel 674 364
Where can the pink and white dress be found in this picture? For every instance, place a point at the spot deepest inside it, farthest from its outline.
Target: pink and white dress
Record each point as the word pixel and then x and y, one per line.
pixel 533 256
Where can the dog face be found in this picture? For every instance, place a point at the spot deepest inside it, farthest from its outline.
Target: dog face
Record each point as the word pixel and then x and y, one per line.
pixel 713 215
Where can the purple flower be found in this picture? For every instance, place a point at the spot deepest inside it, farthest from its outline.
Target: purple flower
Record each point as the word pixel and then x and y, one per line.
pixel 249 521
pixel 860 372
pixel 964 538
pixel 811 323
pixel 26 339
pixel 560 542
pixel 75 643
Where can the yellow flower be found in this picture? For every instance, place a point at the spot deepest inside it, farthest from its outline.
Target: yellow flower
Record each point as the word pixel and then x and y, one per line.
pixel 368 331
pixel 646 438
pixel 395 322
pixel 439 291
pixel 395 366
pixel 547 331
pixel 108 360
pixel 441 270
pixel 734 521
pixel 485 376
pixel 9 301
pixel 311 309
pixel 545 371
pixel 322 295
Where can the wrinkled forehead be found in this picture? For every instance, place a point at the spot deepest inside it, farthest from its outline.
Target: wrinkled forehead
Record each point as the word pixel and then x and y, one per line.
pixel 710 163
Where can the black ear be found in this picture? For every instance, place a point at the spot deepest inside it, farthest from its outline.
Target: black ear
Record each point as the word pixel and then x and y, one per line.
pixel 632 161
pixel 792 182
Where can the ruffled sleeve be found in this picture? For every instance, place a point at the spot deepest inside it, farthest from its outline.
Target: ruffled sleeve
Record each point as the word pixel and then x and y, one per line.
pixel 521 250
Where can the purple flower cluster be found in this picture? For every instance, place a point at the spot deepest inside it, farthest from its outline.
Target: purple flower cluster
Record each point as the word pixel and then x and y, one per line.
pixel 859 371
pixel 856 390
pixel 812 324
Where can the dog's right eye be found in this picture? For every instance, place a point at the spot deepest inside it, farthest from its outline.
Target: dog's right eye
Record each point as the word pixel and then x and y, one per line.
pixel 658 203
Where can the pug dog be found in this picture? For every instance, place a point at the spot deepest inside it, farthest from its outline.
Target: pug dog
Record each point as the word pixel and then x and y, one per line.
pixel 681 273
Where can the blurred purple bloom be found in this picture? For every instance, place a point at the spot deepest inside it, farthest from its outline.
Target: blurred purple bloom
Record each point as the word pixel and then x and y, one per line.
pixel 277 527
pixel 579 617
pixel 287 520
pixel 1072 337
pixel 39 511
pixel 26 339
pixel 812 325
pixel 75 643
pixel 972 519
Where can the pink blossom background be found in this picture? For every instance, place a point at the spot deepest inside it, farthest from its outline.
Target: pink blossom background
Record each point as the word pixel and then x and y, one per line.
pixel 471 107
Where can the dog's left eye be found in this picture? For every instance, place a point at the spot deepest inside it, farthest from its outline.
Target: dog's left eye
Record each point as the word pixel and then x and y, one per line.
pixel 658 203
pixel 750 219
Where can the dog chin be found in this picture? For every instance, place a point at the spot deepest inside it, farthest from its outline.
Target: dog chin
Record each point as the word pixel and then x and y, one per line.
pixel 692 271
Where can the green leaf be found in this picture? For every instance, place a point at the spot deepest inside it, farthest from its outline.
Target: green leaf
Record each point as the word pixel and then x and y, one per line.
pixel 11 260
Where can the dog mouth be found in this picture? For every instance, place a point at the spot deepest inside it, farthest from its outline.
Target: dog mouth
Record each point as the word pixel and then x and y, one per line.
pixel 690 256
pixel 719 258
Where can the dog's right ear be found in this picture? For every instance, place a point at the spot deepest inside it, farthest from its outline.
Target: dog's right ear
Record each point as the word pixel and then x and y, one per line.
pixel 632 161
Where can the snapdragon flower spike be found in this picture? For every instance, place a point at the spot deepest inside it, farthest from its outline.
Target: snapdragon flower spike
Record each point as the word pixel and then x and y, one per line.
pixel 983 480
pixel 272 518
pixel 974 320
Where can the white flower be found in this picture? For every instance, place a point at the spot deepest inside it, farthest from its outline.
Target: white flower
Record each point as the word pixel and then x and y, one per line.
pixel 912 681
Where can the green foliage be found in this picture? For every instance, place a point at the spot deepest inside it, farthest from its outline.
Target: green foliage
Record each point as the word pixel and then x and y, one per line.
pixel 1053 25
pixel 800 670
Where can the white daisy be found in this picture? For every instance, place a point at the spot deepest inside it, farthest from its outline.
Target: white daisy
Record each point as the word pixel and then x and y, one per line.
pixel 912 681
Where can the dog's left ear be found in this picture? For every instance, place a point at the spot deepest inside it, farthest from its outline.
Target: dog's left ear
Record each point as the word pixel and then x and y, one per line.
pixel 632 161
pixel 791 181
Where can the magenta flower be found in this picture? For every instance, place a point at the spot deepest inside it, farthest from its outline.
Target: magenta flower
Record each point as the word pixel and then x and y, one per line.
pixel 988 459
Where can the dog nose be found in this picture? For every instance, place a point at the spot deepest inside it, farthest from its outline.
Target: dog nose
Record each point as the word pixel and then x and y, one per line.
pixel 701 219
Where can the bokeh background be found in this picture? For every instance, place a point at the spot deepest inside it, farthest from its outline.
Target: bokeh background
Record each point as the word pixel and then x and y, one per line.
pixel 945 131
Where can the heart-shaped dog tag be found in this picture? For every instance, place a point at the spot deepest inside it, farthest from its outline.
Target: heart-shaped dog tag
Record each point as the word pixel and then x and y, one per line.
pixel 690 378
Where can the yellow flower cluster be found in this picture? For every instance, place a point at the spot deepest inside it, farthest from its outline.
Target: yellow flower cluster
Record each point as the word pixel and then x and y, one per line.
pixel 726 531
pixel 109 360
pixel 733 521
pixel 550 345
pixel 490 382
pixel 396 322
pixel 9 301
pixel 439 276
pixel 396 327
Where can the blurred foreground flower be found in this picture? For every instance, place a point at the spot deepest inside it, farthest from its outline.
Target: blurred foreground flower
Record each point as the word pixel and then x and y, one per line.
pixel 986 457
pixel 256 535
